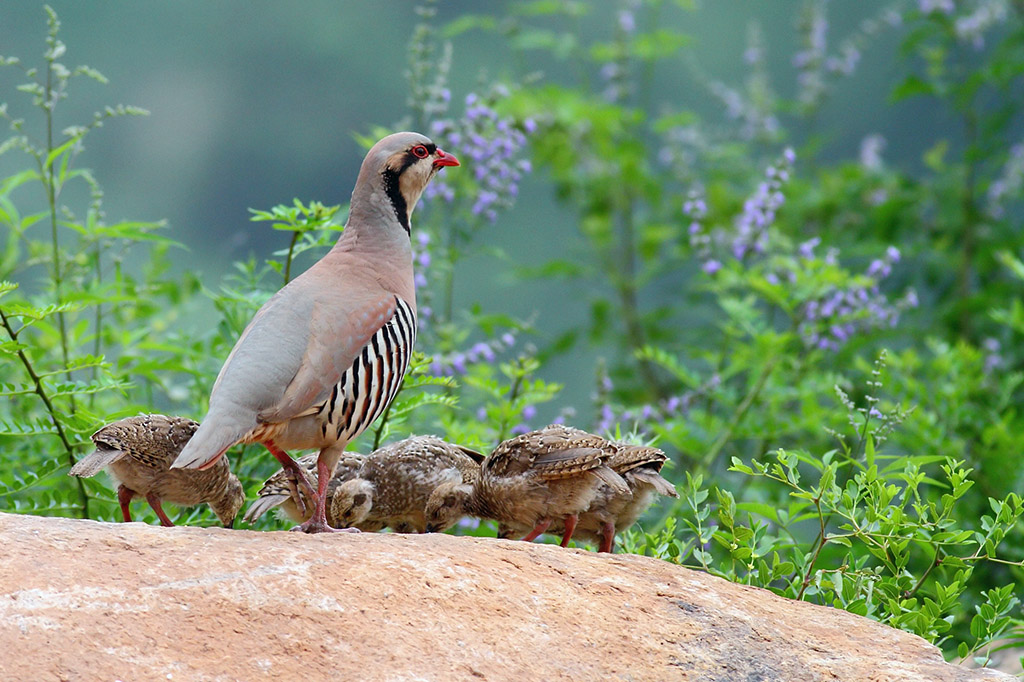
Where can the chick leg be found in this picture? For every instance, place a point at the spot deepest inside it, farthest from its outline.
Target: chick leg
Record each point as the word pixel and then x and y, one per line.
pixel 124 498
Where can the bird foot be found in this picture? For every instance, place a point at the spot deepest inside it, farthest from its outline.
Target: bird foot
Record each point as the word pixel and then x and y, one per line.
pixel 311 526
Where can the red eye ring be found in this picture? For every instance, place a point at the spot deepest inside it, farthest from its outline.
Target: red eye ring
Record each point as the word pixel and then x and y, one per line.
pixel 420 152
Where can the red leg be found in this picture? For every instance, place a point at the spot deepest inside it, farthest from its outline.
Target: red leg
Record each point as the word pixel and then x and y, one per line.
pixel 317 523
pixel 541 526
pixel 154 502
pixel 295 475
pixel 570 526
pixel 607 537
pixel 124 498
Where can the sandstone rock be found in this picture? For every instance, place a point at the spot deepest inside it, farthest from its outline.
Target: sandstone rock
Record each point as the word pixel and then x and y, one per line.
pixel 81 600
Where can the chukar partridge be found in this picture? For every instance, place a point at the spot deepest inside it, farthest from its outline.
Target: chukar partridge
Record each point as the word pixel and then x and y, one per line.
pixel 611 510
pixel 400 478
pixel 531 481
pixel 323 358
pixel 137 452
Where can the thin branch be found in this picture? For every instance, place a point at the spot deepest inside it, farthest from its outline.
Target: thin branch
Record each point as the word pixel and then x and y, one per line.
pixel 51 410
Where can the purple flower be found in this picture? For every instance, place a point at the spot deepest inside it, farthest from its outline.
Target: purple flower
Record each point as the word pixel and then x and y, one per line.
pixel 711 267
pixel 494 145
pixel 529 412
pixel 627 22
pixel 806 249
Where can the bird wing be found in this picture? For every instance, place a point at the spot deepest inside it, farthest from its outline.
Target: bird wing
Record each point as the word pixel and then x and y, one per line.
pixel 287 360
pixel 625 457
pixel 566 462
pixel 332 346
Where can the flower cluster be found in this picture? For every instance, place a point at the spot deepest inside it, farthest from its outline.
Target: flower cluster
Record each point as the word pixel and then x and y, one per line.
pixel 421 261
pixel 831 319
pixel 493 144
pixel 751 227
pixel 809 60
pixel 752 107
pixel 457 363
pixel 987 15
pixel 1010 182
pixel 813 63
pixel 993 359
pixel 939 6
pixel 871 148
pixel 643 416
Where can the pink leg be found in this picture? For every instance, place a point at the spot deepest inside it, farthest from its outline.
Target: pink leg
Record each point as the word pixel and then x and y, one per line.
pixel 154 502
pixel 124 498
pixel 295 475
pixel 317 523
pixel 570 526
pixel 541 526
pixel 607 537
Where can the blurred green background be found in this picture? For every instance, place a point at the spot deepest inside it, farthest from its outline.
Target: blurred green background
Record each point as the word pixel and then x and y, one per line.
pixel 255 103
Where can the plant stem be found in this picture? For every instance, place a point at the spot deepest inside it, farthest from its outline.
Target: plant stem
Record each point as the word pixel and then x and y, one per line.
pixel 920 581
pixel 969 213
pixel 625 284
pixel 288 260
pixel 50 182
pixel 51 410
pixel 819 544
pixel 741 411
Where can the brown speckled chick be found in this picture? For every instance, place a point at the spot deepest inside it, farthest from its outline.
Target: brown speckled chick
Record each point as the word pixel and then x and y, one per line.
pixel 528 482
pixel 280 492
pixel 612 511
pixel 138 451
pixel 400 478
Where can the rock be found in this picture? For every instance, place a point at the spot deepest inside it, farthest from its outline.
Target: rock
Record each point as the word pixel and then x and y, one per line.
pixel 82 600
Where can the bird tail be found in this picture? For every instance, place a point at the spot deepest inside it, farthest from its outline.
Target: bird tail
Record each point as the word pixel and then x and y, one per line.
pixel 211 440
pixel 262 505
pixel 89 466
pixel 656 481
pixel 614 481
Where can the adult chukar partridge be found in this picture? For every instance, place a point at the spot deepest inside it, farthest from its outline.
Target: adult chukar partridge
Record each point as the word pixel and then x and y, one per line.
pixel 324 357
pixel 137 452
pixel 531 481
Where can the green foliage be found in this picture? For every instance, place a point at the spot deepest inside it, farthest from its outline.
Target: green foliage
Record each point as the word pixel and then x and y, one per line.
pixel 827 349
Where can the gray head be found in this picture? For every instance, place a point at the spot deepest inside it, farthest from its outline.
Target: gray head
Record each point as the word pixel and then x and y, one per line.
pixel 352 502
pixel 447 505
pixel 393 176
pixel 227 505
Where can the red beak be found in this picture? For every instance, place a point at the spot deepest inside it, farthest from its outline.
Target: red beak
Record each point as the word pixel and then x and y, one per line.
pixel 444 159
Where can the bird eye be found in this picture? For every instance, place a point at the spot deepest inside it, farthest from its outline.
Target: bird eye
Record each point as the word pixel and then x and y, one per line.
pixel 420 152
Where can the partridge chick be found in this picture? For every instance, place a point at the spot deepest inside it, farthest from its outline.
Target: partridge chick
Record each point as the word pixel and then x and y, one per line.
pixel 530 481
pixel 138 451
pixel 612 511
pixel 279 492
pixel 400 478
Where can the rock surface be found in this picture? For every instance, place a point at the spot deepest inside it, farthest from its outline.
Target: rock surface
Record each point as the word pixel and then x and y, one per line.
pixel 81 600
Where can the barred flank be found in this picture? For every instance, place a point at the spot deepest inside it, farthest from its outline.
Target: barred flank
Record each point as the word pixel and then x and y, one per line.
pixel 372 382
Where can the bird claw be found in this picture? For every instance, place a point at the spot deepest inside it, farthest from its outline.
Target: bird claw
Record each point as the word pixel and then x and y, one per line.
pixel 311 527
pixel 293 476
